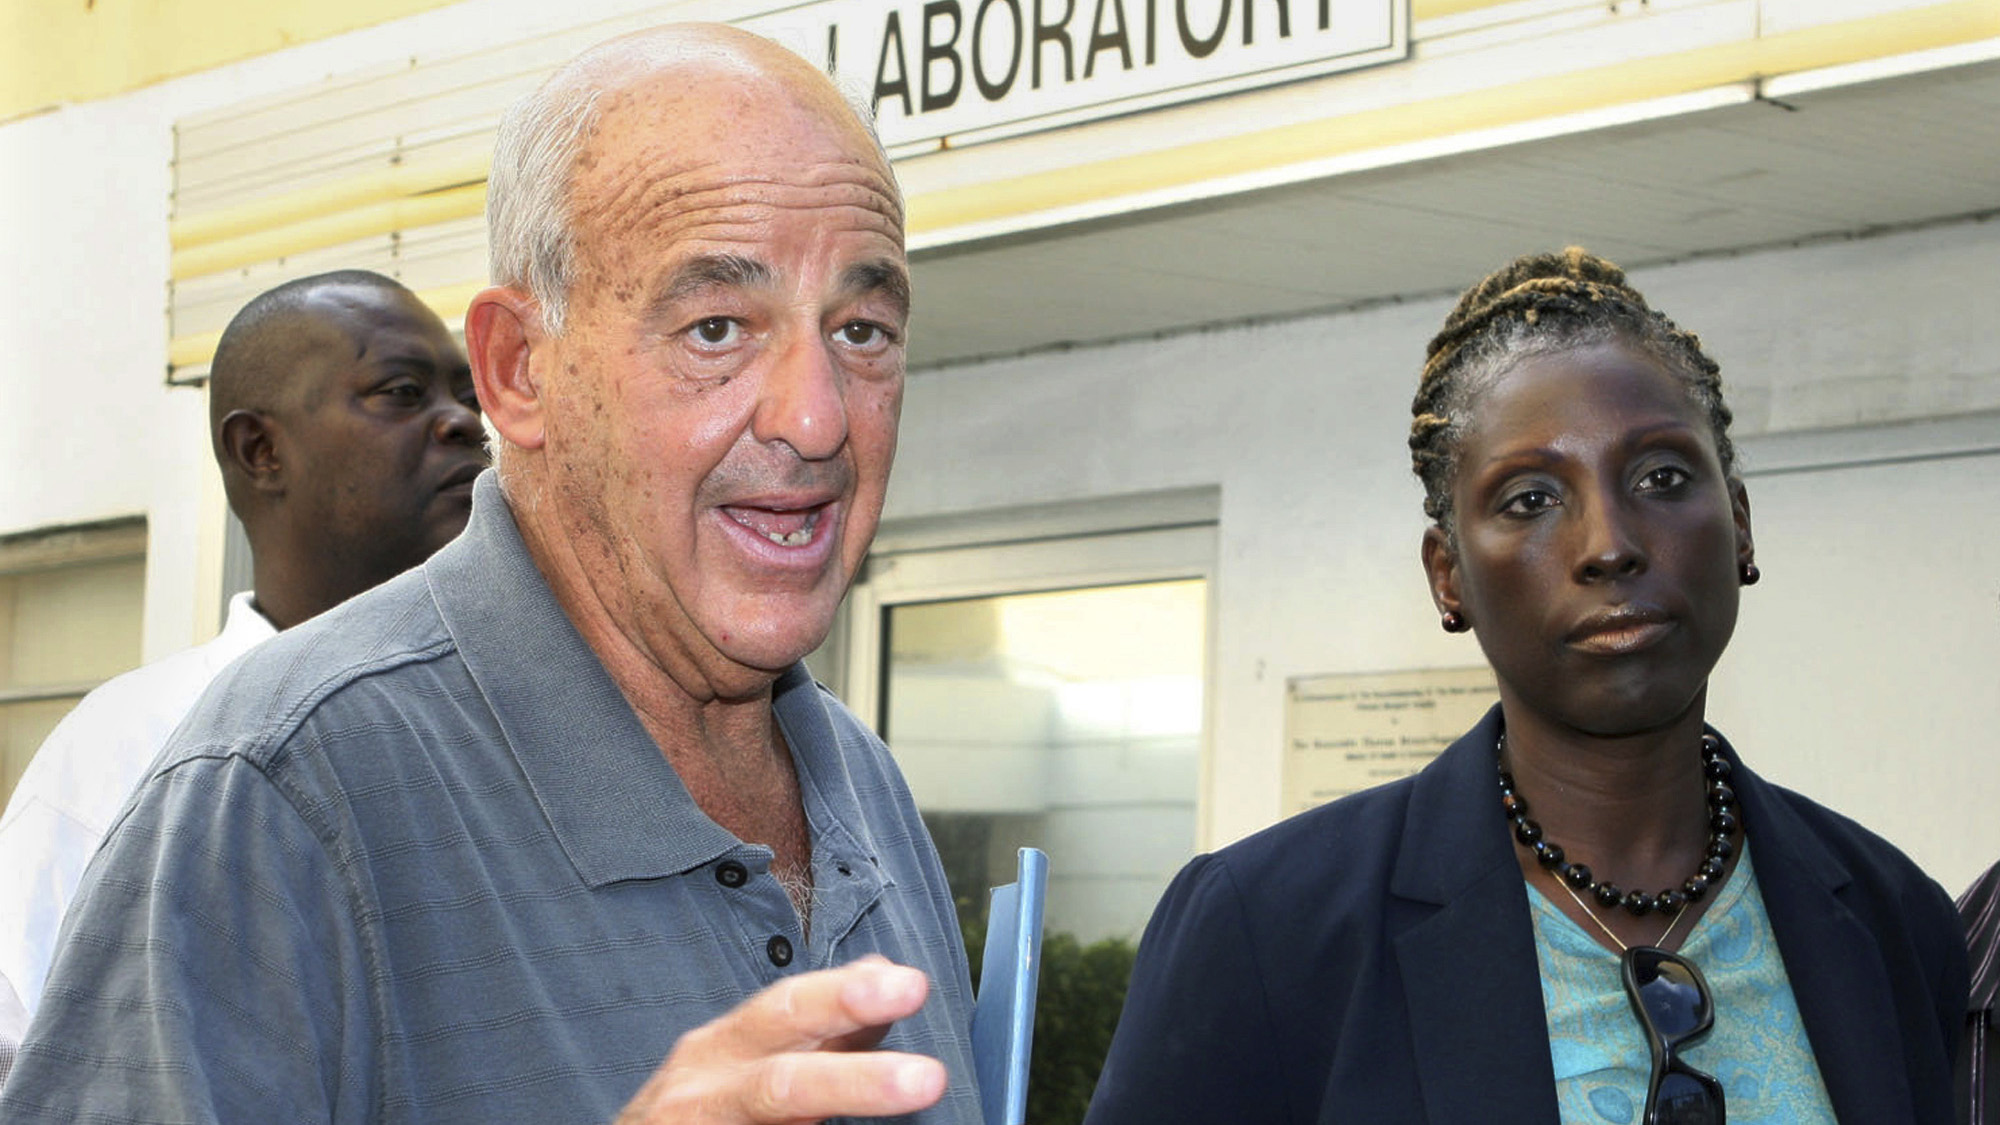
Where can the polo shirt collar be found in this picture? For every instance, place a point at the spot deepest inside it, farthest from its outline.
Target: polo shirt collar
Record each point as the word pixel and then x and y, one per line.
pixel 612 799
pixel 834 814
pixel 614 803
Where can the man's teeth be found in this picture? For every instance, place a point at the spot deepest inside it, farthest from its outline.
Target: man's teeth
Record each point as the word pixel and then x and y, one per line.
pixel 797 537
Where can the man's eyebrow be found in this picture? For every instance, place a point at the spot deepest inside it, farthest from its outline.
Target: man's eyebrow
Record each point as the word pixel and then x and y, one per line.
pixel 714 271
pixel 400 355
pixel 883 275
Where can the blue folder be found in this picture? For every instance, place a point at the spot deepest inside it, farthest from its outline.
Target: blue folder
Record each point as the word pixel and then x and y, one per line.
pixel 1003 1015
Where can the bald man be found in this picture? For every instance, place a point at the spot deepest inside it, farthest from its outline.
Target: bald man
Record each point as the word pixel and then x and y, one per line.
pixel 558 827
pixel 344 421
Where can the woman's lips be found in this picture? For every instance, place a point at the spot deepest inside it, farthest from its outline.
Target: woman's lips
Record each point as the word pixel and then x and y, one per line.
pixel 1620 632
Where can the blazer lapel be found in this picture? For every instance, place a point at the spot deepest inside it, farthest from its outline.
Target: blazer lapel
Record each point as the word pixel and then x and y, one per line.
pixel 1470 972
pixel 1831 958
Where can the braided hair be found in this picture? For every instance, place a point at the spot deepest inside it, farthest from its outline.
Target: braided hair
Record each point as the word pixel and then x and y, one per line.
pixel 1536 305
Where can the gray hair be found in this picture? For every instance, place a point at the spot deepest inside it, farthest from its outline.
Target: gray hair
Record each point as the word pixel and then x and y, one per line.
pixel 530 242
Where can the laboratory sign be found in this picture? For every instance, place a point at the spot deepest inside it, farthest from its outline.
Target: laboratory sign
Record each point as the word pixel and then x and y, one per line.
pixel 955 71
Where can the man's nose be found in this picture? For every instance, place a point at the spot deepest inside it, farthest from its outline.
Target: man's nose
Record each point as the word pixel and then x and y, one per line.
pixel 801 403
pixel 458 424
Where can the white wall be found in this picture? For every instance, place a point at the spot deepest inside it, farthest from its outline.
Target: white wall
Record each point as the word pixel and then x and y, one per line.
pixel 1864 672
pixel 90 430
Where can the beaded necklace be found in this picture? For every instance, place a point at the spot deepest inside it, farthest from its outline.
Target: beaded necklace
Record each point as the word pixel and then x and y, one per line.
pixel 1578 879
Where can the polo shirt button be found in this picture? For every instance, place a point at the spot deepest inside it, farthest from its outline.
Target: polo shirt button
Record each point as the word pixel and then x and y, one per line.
pixel 731 874
pixel 779 951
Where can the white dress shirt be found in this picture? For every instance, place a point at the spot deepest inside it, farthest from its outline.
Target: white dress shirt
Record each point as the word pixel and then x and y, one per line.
pixel 72 790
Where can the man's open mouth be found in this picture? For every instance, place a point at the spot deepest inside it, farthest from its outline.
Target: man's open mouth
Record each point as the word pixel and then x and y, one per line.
pixel 785 528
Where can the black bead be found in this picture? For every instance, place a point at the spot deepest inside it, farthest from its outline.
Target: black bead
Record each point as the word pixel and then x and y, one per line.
pixel 1723 823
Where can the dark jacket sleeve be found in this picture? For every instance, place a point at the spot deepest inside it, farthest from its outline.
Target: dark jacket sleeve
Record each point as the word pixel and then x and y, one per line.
pixel 1196 1040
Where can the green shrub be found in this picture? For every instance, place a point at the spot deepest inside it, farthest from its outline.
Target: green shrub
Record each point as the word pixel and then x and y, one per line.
pixel 1078 997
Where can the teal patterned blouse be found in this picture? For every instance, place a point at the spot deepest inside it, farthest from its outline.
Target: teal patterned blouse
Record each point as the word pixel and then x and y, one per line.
pixel 1758 1049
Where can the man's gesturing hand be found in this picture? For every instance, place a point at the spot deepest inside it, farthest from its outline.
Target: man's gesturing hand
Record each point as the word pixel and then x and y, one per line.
pixel 798 1052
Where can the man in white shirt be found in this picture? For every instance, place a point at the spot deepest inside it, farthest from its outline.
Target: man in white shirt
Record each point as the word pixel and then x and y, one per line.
pixel 348 434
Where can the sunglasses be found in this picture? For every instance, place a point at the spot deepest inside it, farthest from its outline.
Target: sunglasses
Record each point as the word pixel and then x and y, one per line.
pixel 1673 1004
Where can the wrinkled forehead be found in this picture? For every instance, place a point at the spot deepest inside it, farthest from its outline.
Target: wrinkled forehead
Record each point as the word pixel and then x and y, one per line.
pixel 723 133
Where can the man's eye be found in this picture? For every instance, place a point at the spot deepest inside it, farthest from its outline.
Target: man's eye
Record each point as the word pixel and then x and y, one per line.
pixel 862 334
pixel 716 330
pixel 403 390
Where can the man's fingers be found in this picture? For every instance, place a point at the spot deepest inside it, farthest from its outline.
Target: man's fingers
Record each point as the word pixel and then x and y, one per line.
pixel 864 1040
pixel 813 1010
pixel 809 1086
pixel 797 1052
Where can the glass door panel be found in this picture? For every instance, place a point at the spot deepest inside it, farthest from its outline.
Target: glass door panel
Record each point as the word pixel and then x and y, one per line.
pixel 1067 720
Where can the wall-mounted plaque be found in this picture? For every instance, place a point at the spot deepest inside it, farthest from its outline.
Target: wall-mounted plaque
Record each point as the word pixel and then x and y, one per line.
pixel 1345 733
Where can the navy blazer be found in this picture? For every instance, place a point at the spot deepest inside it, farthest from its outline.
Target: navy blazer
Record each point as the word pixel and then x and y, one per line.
pixel 1372 960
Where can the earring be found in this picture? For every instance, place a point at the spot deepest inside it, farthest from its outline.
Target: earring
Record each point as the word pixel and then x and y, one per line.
pixel 1452 622
pixel 1750 574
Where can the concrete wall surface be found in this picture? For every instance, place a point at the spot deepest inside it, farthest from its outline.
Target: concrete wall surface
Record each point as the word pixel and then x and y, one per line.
pixel 1863 669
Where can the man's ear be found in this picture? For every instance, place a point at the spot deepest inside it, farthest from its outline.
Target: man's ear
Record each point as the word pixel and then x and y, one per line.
pixel 503 328
pixel 1441 571
pixel 250 449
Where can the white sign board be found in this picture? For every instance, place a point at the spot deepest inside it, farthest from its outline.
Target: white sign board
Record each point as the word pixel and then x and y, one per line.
pixel 974 69
pixel 1347 733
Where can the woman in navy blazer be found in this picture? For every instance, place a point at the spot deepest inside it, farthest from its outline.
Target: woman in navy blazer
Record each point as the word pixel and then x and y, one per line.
pixel 1379 959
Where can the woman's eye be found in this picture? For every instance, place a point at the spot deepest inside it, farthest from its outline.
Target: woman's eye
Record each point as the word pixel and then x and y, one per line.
pixel 716 331
pixel 1666 478
pixel 402 390
pixel 1529 501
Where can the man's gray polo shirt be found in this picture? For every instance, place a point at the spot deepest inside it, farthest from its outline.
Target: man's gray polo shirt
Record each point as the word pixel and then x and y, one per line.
pixel 417 861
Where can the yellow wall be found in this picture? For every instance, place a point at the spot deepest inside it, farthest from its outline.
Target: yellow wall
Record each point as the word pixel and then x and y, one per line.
pixel 55 51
